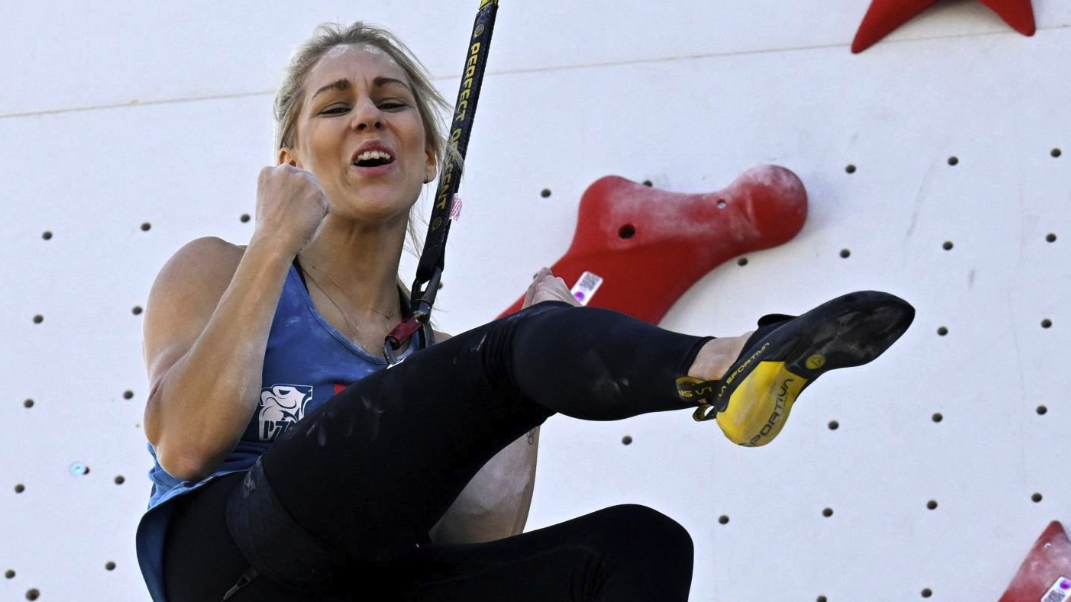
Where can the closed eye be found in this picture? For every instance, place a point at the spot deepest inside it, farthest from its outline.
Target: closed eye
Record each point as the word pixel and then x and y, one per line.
pixel 391 105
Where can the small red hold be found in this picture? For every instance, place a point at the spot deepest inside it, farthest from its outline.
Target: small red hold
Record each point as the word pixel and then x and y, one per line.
pixel 649 246
pixel 1048 562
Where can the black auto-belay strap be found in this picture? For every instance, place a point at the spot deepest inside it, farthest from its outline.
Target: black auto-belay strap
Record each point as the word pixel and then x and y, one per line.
pixel 460 130
pixel 432 260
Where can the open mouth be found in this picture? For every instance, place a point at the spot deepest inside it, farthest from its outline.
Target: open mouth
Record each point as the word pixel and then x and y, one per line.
pixel 373 158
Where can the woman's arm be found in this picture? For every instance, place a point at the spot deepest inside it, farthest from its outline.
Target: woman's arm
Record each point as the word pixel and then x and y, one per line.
pixel 207 322
pixel 206 327
pixel 495 503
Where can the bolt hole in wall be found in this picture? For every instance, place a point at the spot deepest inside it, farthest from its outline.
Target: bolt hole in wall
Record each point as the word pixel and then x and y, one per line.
pixel 28 403
pixel 245 218
pixel 850 168
pixel 953 161
pixel 627 440
pixel 947 245
pixel 1046 323
pixel 648 183
pixel 545 193
pixel 723 519
pixel 828 512
pixel 38 319
pixel 942 331
pixel 1050 238
pixel 845 253
pixel 932 504
pixel 926 593
pixel 145 227
pixel 834 425
pixel 47 235
pixel 627 231
pixel 1042 410
pixel 938 417
pixel 1036 497
pixel 741 262
pixel 1055 152
pixel 33 594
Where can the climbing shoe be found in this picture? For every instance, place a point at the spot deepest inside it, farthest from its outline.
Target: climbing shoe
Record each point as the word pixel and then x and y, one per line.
pixel 753 399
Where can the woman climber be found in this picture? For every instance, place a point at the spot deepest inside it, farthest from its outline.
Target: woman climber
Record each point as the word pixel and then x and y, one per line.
pixel 289 465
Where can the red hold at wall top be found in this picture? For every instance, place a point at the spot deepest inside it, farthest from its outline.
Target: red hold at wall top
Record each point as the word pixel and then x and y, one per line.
pixel 885 16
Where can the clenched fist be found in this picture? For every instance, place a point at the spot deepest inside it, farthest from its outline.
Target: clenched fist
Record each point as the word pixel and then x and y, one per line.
pixel 291 206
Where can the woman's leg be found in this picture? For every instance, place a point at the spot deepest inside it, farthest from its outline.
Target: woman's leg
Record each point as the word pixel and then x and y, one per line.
pixel 373 469
pixel 626 553
pixel 365 476
pixel 201 561
pixel 621 554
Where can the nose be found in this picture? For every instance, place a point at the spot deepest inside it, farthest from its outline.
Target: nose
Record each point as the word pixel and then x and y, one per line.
pixel 366 116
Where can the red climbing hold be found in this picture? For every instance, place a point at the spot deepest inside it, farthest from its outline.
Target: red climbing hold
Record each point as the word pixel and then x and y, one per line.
pixel 1047 568
pixel 885 16
pixel 649 246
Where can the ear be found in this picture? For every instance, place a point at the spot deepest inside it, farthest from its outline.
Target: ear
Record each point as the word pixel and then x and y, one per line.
pixel 289 156
pixel 430 165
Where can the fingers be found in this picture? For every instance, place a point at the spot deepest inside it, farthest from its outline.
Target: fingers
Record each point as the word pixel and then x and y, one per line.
pixel 534 287
pixel 546 286
pixel 529 294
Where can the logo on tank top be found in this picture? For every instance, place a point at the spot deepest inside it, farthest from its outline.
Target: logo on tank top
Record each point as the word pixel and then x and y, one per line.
pixel 281 406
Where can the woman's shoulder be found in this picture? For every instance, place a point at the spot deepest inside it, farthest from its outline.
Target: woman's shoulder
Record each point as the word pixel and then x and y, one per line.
pixel 207 262
pixel 211 247
pixel 208 251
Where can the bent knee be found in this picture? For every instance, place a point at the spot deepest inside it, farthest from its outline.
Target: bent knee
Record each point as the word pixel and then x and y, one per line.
pixel 644 529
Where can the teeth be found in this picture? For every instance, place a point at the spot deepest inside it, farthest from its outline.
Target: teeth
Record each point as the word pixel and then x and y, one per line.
pixel 374 154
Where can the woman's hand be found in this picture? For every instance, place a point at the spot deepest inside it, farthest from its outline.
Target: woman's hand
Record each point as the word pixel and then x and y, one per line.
pixel 291 206
pixel 548 287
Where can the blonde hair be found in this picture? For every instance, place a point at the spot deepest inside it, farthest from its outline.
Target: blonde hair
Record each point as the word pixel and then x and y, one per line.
pixel 291 96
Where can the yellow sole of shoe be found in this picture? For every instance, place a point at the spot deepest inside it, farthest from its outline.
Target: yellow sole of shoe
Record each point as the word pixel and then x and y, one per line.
pixel 760 405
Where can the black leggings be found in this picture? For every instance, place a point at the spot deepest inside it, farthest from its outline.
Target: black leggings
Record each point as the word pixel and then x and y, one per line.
pixel 371 470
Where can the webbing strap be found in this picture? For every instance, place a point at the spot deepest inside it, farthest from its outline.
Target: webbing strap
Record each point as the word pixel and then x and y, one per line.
pixel 460 130
pixel 432 260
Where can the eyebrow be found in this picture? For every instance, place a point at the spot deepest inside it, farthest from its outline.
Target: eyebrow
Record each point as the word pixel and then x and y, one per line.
pixel 345 84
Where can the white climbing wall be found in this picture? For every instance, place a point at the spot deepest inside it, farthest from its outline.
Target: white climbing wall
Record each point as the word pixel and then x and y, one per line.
pixel 129 128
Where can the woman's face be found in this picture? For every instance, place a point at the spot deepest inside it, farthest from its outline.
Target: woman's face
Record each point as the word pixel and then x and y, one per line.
pixel 361 134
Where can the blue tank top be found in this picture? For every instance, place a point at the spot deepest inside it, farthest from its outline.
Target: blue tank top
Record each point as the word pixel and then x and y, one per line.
pixel 307 361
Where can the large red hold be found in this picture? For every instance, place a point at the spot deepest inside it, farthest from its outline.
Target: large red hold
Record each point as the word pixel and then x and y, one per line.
pixel 649 246
pixel 885 16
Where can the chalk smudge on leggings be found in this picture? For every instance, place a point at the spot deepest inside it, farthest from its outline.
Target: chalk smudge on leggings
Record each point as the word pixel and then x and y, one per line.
pixel 374 410
pixel 479 345
pixel 603 384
